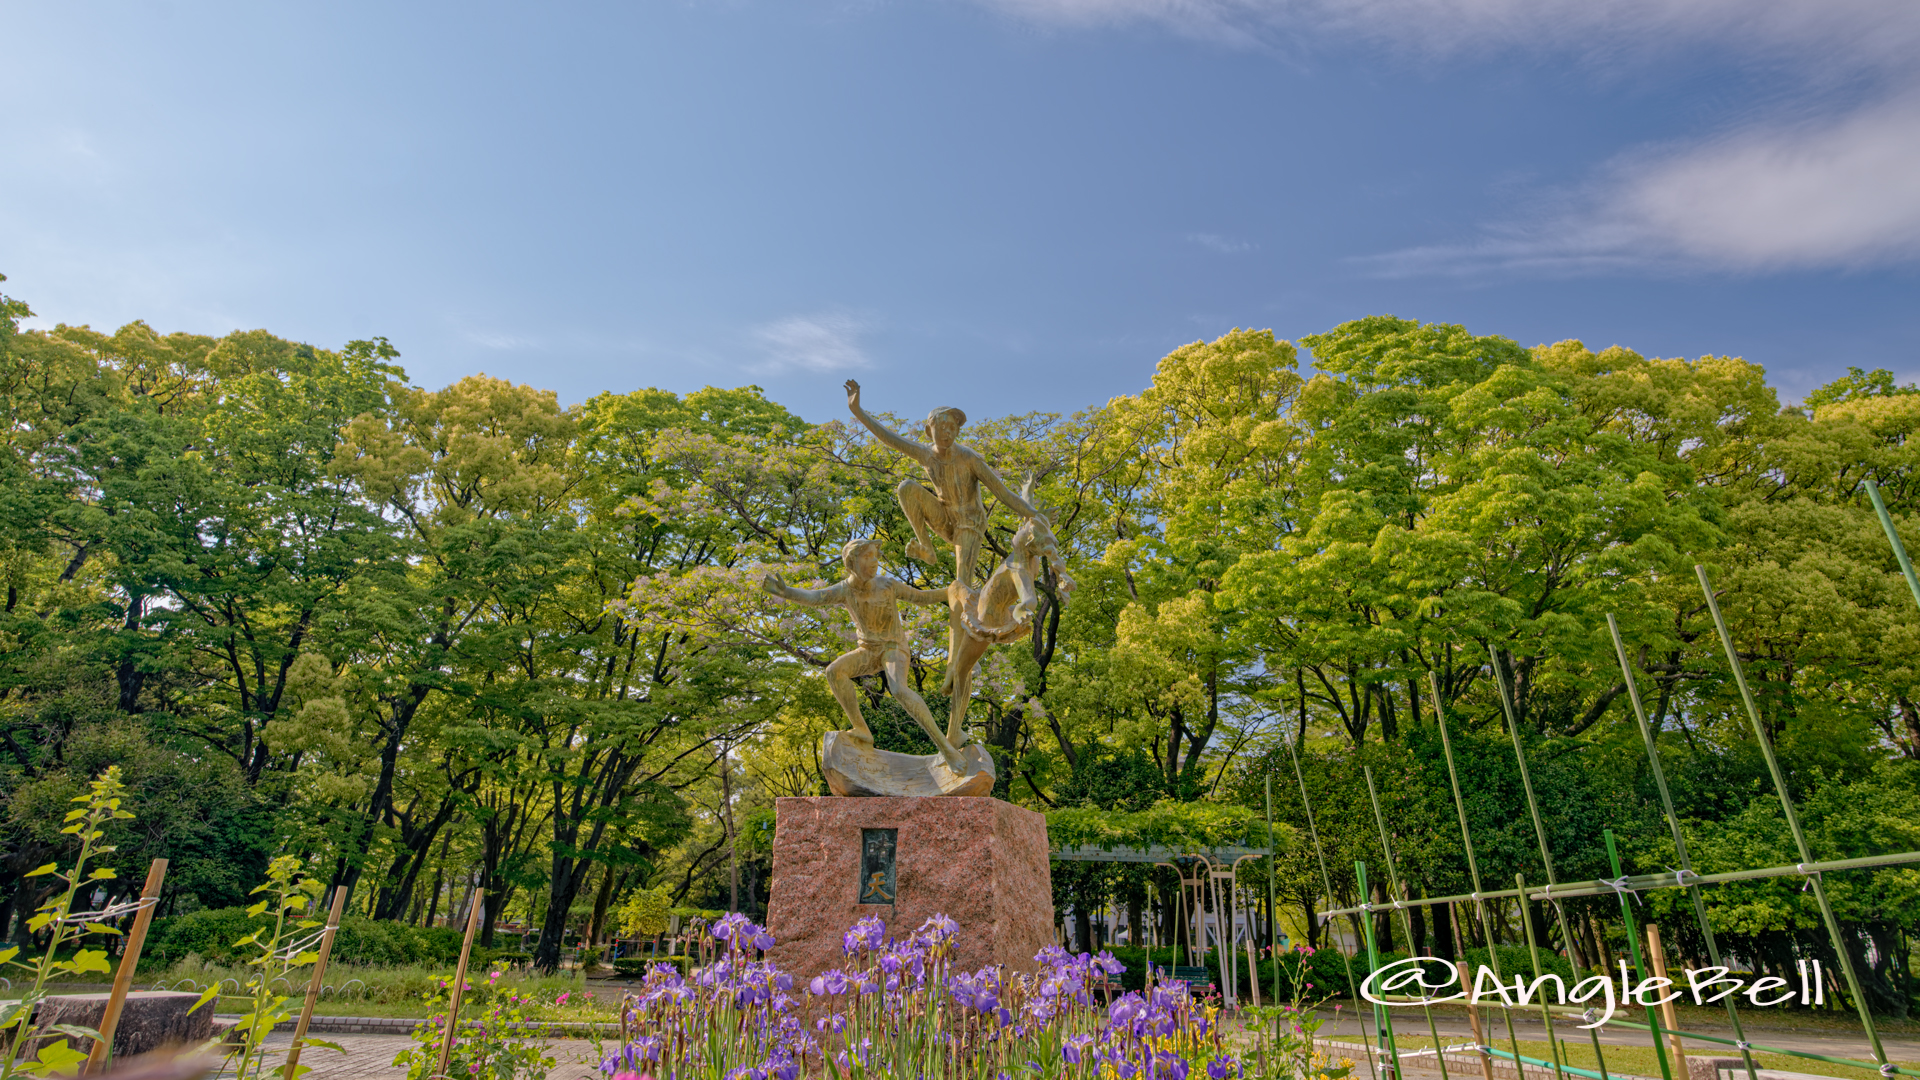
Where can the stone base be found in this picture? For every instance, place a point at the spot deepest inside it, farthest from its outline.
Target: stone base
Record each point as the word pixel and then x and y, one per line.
pixel 980 861
pixel 150 1020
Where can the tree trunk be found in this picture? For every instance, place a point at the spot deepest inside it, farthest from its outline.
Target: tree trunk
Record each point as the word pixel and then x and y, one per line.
pixel 597 930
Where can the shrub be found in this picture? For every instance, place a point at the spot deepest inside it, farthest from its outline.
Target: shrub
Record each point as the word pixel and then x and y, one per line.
pixel 211 934
pixel 638 966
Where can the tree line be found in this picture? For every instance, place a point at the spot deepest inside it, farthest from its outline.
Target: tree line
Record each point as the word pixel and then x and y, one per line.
pixel 439 641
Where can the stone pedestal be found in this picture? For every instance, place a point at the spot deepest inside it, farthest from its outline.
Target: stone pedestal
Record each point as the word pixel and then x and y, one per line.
pixel 150 1020
pixel 980 861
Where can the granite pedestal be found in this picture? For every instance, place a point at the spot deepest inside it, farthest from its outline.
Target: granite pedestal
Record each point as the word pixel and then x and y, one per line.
pixel 980 861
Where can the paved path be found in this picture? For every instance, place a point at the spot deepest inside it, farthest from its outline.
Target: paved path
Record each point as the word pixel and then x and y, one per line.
pixel 371 1057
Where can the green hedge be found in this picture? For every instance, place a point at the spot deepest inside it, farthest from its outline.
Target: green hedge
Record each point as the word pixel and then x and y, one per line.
pixel 211 935
pixel 636 966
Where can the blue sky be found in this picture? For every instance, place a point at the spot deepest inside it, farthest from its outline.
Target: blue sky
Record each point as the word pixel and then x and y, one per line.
pixel 1046 195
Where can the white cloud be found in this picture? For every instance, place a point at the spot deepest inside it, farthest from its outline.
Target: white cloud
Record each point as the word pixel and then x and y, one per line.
pixel 1225 245
pixel 821 343
pixel 1840 192
pixel 1841 189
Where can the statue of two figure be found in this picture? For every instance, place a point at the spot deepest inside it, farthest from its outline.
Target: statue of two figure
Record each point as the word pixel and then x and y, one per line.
pixel 1000 610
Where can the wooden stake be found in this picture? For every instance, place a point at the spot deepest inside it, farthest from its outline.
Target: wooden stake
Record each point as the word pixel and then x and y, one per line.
pixel 129 959
pixel 313 985
pixel 460 981
pixel 1253 971
pixel 1667 1016
pixel 1473 1018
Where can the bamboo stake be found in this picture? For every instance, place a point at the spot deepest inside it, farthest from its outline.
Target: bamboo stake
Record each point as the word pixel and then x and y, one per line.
pixel 102 1049
pixel 1667 1015
pixel 460 981
pixel 313 985
pixel 1253 972
pixel 1473 1018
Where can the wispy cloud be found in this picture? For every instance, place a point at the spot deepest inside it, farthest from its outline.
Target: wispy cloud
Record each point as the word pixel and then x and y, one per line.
pixel 1856 34
pixel 493 339
pixel 1838 192
pixel 1225 245
pixel 821 343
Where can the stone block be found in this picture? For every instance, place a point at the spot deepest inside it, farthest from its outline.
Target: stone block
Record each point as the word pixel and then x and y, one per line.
pixel 980 861
pixel 151 1019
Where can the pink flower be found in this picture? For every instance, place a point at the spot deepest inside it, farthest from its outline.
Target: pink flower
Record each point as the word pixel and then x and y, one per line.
pixel 562 999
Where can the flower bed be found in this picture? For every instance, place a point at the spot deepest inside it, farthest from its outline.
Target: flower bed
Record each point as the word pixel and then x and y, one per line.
pixel 898 1010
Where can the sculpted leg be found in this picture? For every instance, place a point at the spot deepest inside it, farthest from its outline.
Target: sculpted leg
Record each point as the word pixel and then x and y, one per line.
pixel 901 683
pixel 840 676
pixel 922 508
pixel 966 552
pixel 961 659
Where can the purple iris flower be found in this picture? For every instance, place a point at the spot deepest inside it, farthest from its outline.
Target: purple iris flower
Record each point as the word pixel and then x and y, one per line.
pixel 1221 1068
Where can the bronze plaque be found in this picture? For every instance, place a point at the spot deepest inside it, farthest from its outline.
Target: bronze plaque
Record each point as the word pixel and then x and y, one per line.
pixel 876 866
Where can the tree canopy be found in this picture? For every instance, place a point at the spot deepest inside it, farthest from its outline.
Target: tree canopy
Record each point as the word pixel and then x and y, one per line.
pixel 439 640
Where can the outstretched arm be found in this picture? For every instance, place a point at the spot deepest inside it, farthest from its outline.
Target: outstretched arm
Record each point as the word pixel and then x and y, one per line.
pixel 1000 489
pixel 832 594
pixel 923 597
pixel 906 446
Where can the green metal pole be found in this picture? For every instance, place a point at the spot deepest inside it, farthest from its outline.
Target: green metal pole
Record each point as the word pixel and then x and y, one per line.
pixel 1526 785
pixel 1273 908
pixel 1381 1021
pixel 1679 838
pixel 1639 965
pixel 1533 954
pixel 1893 537
pixel 1326 879
pixel 1473 864
pixel 1406 916
pixel 1793 819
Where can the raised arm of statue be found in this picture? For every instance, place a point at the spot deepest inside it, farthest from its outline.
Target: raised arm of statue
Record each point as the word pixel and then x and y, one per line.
pixel 832 594
pixel 1000 489
pixel 912 449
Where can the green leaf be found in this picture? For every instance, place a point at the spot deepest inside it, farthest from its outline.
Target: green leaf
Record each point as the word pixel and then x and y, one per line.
pixel 7 954
pixel 78 1031
pixel 257 909
pixel 39 922
pixel 206 995
pixel 57 1057
pixel 101 928
pixel 101 873
pixel 47 869
pixel 91 960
